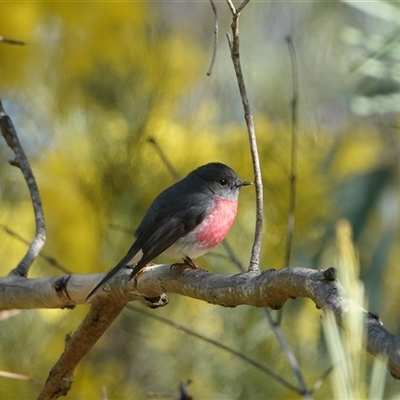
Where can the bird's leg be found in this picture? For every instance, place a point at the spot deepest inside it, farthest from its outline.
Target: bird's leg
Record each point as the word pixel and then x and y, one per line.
pixel 187 262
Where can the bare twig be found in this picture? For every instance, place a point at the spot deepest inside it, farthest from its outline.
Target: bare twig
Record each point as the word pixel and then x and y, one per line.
pixel 51 260
pixel 217 344
pixel 294 365
pixel 388 44
pixel 231 7
pixel 241 6
pixel 121 228
pixel 293 158
pixel 10 135
pixel 291 219
pixel 231 255
pixel 12 41
pixel 293 164
pixel 19 377
pixel 214 53
pixel 235 55
pixel 321 380
pixel 164 158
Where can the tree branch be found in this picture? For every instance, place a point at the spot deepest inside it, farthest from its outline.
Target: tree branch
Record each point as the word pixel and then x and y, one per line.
pixel 270 289
pixel 51 260
pixel 10 135
pixel 293 163
pixel 294 365
pixel 254 264
pixel 100 316
pixel 19 377
pixel 174 173
pixel 293 158
pixel 214 53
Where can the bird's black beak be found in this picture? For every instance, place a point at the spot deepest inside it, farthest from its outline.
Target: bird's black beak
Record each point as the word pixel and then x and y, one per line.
pixel 241 183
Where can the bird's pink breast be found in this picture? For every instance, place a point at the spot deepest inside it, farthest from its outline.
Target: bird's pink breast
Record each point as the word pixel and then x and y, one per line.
pixel 216 225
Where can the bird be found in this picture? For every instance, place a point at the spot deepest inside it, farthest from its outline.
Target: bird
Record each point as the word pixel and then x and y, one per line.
pixel 185 221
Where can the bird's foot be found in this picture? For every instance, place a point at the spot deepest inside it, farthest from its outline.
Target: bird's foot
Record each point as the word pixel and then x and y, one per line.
pixel 189 262
pixel 189 265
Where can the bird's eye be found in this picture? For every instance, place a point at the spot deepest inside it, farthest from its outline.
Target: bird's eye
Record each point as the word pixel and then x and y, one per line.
pixel 223 182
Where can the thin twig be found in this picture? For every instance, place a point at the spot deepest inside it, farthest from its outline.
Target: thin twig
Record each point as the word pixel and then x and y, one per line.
pixel 12 41
pixel 321 380
pixel 214 53
pixel 288 353
pixel 228 37
pixel 19 377
pixel 293 163
pixel 120 228
pixel 10 135
pixel 243 5
pixel 388 44
pixel 254 264
pixel 231 255
pixel 51 260
pixel 293 157
pixel 164 158
pixel 217 344
pixel 231 7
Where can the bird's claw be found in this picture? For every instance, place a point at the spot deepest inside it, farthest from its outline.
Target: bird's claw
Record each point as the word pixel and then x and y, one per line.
pixel 188 264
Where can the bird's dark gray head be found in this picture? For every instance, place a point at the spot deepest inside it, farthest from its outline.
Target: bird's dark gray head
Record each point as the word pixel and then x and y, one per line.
pixel 219 179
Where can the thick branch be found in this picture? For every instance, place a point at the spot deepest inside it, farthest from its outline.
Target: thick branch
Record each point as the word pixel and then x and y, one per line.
pixel 99 318
pixel 10 135
pixel 269 289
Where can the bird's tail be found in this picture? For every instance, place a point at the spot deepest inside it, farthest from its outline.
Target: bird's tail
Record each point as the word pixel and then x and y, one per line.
pixel 123 263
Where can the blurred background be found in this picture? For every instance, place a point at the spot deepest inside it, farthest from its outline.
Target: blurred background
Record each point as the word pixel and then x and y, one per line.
pixel 96 81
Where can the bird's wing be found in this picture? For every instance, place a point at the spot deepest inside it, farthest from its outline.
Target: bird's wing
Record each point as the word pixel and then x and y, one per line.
pixel 166 231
